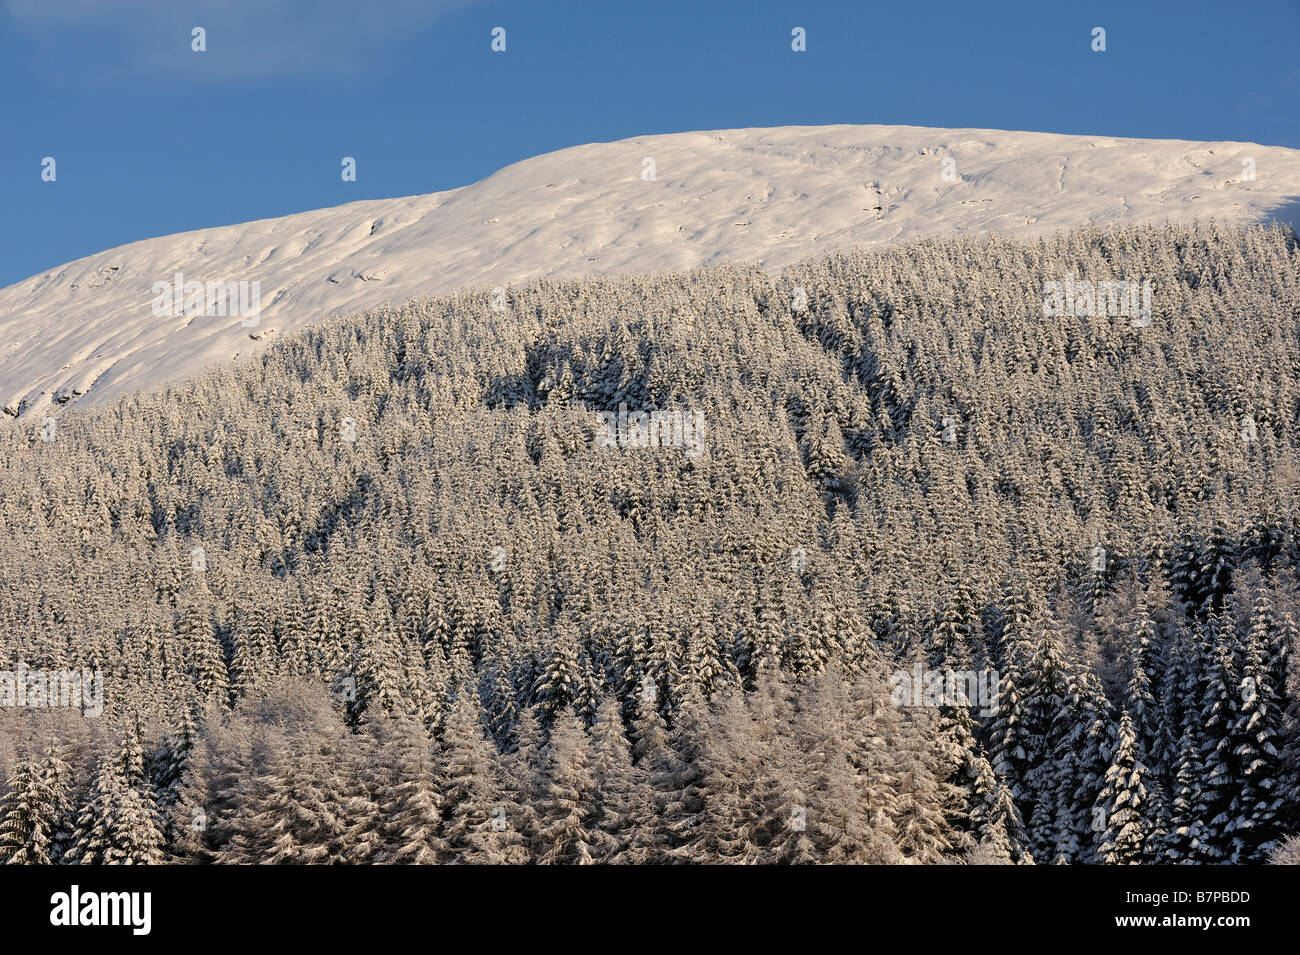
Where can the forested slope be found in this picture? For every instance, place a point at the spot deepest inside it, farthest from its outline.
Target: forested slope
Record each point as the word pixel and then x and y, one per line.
pixel 387 594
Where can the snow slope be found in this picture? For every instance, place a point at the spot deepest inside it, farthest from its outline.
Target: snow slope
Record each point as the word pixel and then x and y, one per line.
pixel 86 330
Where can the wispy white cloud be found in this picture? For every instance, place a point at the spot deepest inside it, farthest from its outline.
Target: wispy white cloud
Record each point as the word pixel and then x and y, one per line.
pixel 245 38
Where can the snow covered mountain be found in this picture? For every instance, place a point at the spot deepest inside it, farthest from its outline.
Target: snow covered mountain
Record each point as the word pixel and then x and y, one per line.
pixel 89 329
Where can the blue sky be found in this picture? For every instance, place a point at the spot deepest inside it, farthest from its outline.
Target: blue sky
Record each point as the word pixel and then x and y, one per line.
pixel 152 138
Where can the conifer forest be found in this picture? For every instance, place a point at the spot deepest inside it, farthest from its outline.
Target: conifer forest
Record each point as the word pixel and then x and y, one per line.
pixel 889 558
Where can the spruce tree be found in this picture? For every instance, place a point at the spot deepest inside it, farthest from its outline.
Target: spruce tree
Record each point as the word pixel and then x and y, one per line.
pixel 1122 813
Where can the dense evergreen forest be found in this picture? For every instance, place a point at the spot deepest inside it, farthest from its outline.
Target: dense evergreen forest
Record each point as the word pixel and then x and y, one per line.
pixel 389 592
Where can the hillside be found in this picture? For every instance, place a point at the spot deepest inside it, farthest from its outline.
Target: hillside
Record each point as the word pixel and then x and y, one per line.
pixel 86 331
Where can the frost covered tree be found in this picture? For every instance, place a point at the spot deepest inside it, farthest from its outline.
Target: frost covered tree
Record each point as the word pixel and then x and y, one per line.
pixel 1123 813
pixel 118 825
pixel 35 812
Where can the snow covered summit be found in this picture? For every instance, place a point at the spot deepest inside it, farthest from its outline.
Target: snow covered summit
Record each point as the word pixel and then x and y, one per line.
pixel 93 328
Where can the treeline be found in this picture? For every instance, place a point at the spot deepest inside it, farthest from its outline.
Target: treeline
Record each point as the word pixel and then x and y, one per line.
pixel 903 461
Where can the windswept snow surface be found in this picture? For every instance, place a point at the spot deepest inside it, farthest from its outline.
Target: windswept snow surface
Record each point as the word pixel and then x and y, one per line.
pixel 86 331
